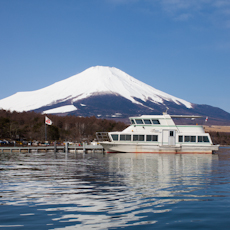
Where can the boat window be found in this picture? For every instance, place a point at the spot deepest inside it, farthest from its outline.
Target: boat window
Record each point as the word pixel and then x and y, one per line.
pixel 125 137
pixel 147 121
pixel 187 139
pixel 190 138
pixel 114 137
pixel 155 122
pixel 141 137
pixel 148 138
pixel 152 138
pixel 122 137
pixel 132 121
pixel 180 138
pixel 138 137
pixel 203 139
pixel 193 138
pixel 139 121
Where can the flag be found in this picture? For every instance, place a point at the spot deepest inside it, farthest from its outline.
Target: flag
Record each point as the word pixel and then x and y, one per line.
pixel 206 119
pixel 48 121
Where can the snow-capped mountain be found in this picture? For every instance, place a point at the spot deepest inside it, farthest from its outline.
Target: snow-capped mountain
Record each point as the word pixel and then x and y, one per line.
pixel 99 91
pixel 97 80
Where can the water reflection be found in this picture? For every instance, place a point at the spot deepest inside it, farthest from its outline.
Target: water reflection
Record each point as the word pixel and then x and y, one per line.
pixel 102 191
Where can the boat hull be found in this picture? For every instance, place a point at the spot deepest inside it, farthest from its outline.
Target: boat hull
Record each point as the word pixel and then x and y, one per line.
pixel 111 147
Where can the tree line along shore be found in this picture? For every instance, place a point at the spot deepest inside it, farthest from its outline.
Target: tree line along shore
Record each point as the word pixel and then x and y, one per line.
pixel 30 126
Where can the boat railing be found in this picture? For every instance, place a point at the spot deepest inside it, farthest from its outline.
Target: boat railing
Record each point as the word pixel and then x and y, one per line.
pixel 102 136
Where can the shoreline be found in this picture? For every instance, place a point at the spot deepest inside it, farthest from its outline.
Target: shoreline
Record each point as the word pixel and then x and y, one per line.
pixel 217 128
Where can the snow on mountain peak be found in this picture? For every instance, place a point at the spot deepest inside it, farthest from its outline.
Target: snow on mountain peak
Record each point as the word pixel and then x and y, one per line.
pixel 94 80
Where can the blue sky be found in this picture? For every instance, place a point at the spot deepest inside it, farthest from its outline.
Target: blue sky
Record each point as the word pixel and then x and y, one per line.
pixel 181 47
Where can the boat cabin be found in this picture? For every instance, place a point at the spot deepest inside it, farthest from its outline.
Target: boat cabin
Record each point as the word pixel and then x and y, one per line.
pixel 161 129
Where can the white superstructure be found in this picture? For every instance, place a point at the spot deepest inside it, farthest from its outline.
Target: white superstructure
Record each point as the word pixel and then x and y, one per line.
pixel 158 134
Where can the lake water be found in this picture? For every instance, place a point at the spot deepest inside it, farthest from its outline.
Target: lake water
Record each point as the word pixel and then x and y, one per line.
pixel 114 191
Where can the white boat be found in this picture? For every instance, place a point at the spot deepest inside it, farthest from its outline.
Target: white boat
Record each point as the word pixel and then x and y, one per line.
pixel 158 134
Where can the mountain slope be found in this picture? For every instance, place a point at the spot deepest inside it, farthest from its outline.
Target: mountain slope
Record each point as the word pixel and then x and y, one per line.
pixel 97 80
pixel 106 92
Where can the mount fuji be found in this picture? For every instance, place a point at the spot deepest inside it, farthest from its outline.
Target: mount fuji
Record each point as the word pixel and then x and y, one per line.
pixel 104 92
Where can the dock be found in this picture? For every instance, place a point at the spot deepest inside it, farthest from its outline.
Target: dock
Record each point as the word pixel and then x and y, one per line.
pixel 64 148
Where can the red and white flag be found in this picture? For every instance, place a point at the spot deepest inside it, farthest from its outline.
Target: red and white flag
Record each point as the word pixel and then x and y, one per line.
pixel 206 119
pixel 48 121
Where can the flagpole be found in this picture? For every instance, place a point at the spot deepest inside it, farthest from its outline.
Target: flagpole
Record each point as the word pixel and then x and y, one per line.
pixel 47 122
pixel 45 133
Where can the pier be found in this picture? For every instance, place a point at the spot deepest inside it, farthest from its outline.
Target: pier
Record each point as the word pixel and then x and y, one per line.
pixel 54 148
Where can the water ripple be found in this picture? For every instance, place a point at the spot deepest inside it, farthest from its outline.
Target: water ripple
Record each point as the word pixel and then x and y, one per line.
pixel 56 191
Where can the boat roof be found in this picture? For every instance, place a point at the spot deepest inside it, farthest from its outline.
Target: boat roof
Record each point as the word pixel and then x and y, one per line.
pixel 185 116
pixel 167 116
